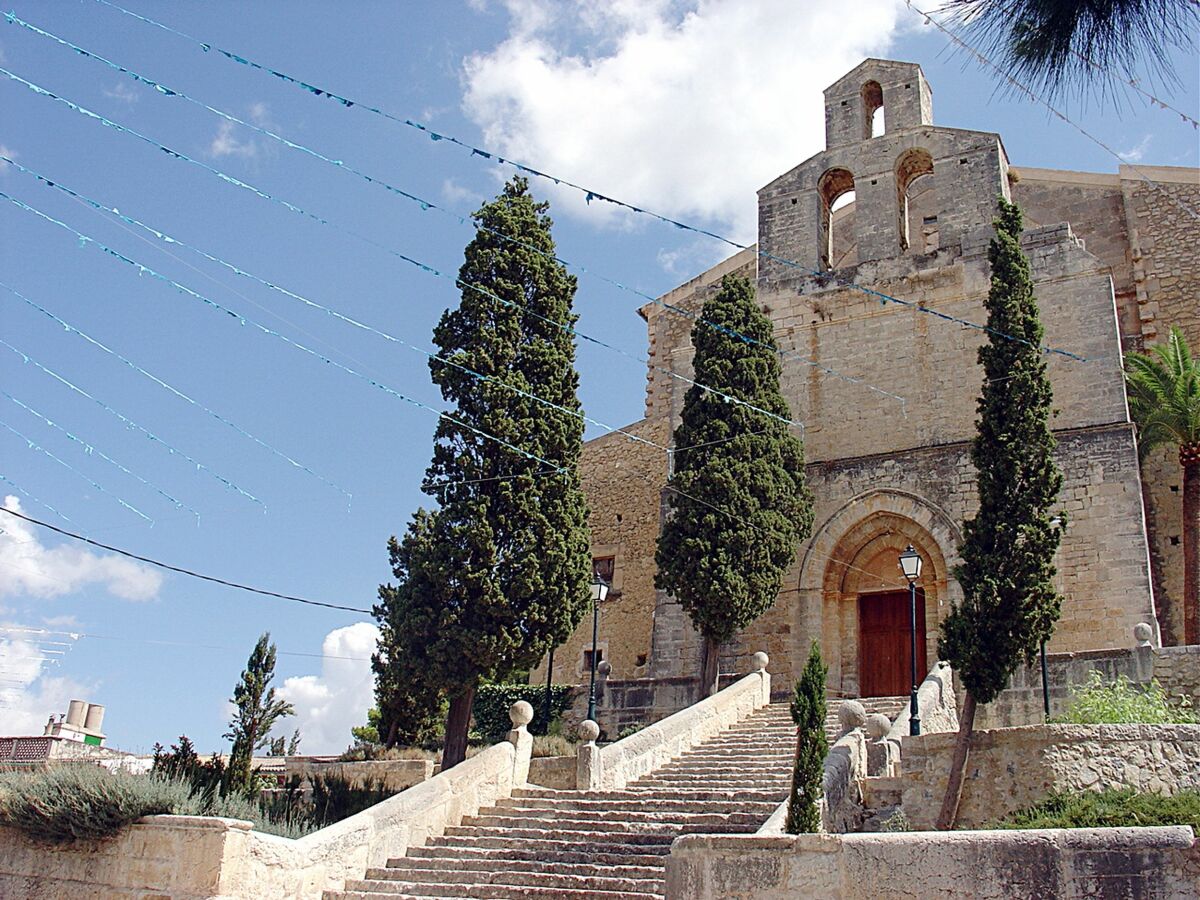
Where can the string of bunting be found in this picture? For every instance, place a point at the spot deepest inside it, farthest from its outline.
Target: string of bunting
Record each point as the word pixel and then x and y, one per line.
pixel 30 496
pixel 312 304
pixel 34 445
pixel 175 451
pixel 208 301
pixel 588 193
pixel 90 448
pixel 1028 92
pixel 426 205
pixel 424 267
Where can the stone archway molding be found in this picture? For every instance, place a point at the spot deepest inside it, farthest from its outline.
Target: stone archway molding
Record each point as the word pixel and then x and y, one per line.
pixel 905 504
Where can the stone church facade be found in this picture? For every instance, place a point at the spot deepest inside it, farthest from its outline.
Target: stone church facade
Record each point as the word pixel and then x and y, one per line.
pixel 887 395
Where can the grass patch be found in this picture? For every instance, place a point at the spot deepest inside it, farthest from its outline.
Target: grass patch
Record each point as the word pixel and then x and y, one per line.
pixel 1120 702
pixel 1108 809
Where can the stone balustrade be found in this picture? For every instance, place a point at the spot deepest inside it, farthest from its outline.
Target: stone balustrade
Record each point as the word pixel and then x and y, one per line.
pixel 615 765
pixel 198 858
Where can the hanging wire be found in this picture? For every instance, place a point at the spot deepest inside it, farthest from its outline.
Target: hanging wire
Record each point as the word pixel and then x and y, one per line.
pixel 589 194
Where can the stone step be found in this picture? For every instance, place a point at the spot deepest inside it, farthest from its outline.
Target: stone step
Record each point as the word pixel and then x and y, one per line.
pixel 615 845
pixel 556 821
pixel 398 869
pixel 756 783
pixel 516 852
pixel 544 878
pixel 642 795
pixel 611 834
pixel 484 892
pixel 667 805
pixel 716 769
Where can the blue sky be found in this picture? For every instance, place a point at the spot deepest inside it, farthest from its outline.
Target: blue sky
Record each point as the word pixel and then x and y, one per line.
pixel 683 108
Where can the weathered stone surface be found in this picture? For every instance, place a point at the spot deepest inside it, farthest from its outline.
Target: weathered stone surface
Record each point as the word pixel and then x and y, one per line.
pixel 968 865
pixel 1012 768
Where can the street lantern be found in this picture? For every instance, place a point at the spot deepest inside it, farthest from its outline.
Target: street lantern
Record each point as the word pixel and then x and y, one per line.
pixel 910 565
pixel 599 594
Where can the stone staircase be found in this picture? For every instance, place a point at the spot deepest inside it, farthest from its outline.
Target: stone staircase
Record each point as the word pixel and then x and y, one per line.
pixel 604 845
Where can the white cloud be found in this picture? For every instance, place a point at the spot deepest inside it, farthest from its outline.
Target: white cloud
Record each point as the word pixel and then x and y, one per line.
pixel 691 258
pixel 5 150
pixel 28 697
pixel 330 704
pixel 457 194
pixel 228 141
pixel 686 109
pixel 31 568
pixel 60 621
pixel 123 92
pixel 1138 151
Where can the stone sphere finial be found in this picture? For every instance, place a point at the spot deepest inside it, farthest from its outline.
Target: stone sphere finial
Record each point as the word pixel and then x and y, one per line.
pixel 1142 632
pixel 760 661
pixel 521 714
pixel 588 731
pixel 851 715
pixel 877 726
pixel 603 668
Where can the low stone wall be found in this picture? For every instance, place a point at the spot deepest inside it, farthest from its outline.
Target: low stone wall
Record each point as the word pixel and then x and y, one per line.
pixel 557 772
pixel 1177 669
pixel 615 765
pixel 176 857
pixel 1011 768
pixel 188 858
pixel 393 774
pixel 964 865
pixel 637 701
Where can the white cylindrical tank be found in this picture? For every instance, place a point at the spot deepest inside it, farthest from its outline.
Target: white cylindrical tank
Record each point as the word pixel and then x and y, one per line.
pixel 95 717
pixel 75 713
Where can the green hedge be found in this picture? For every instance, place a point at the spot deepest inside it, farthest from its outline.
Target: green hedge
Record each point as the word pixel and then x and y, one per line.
pixel 492 702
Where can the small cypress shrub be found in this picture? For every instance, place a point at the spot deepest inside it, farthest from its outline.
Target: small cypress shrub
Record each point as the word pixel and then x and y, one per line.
pixel 812 746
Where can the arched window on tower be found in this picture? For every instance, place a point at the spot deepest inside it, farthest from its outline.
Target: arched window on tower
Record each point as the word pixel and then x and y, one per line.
pixel 917 201
pixel 838 246
pixel 873 116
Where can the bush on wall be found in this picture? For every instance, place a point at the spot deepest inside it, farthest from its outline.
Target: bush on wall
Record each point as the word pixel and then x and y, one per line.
pixel 492 702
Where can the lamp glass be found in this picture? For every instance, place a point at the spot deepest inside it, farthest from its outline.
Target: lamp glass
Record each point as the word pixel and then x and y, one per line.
pixel 910 563
pixel 599 589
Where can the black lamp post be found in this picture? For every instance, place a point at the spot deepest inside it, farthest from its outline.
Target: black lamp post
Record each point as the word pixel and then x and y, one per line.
pixel 910 565
pixel 599 592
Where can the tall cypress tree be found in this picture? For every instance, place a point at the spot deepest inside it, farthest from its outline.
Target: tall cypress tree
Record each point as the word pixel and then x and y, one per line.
pixel 256 710
pixel 738 498
pixel 499 572
pixel 812 746
pixel 1009 604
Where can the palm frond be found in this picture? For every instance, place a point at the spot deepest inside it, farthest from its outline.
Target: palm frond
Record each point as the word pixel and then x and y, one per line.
pixel 1055 45
pixel 1163 387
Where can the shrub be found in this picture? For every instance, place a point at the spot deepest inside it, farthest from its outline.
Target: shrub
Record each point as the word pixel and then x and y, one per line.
pixel 630 729
pixel 492 702
pixel 1101 702
pixel 552 745
pixel 378 752
pixel 812 746
pixel 74 802
pixel 1108 809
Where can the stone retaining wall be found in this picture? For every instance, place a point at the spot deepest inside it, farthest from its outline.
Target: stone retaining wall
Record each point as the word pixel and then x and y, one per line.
pixel 1177 669
pixel 193 858
pixel 1012 768
pixel 557 772
pixel 965 865
pixel 393 774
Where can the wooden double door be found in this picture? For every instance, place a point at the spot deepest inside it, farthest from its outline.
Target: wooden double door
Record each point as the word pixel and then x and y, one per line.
pixel 884 644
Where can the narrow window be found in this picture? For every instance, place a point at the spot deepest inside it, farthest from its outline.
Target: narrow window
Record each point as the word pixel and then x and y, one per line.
pixel 874 123
pixel 605 567
pixel 917 201
pixel 836 188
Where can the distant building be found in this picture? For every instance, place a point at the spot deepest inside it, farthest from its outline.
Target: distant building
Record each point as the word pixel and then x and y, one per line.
pixel 73 737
